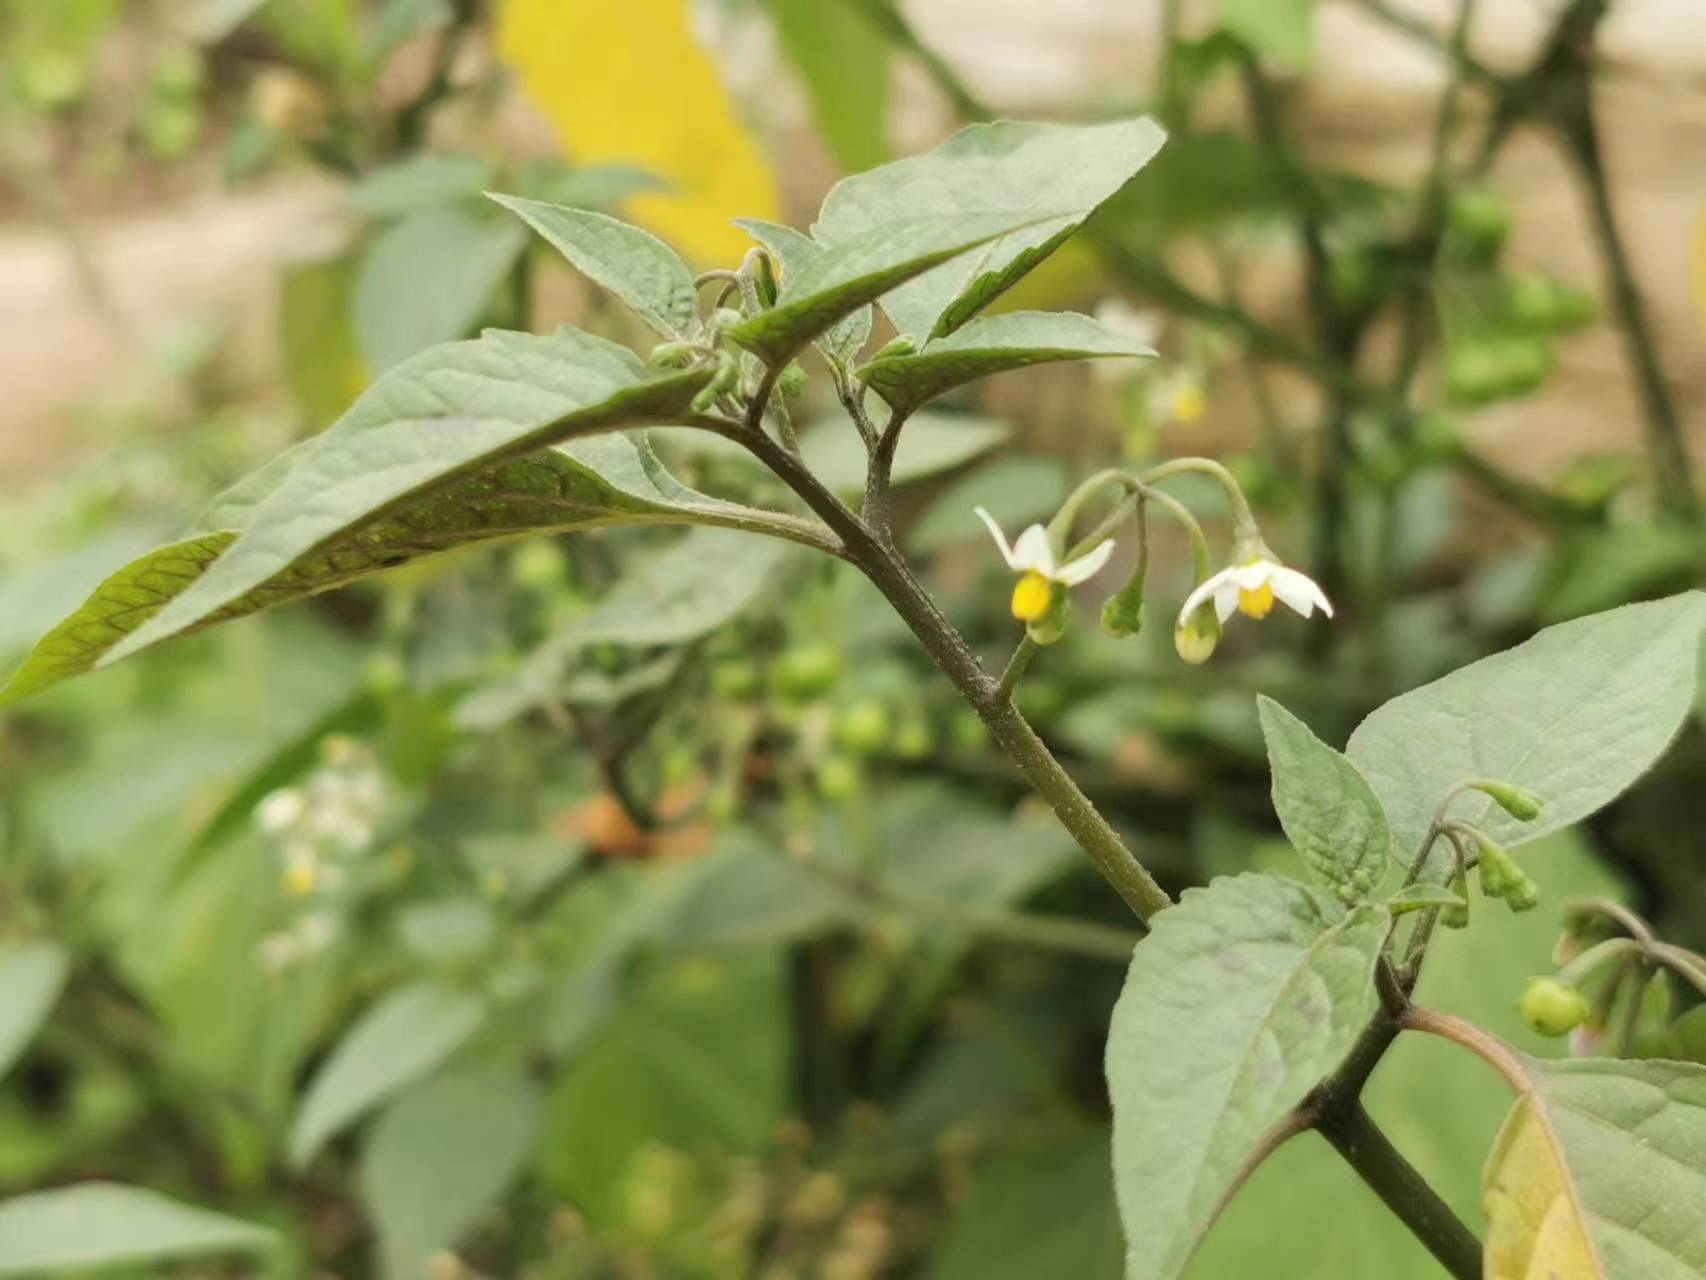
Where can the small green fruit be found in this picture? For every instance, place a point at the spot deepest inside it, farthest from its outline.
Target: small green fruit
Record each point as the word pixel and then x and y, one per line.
pixel 1552 1008
pixel 807 672
pixel 837 778
pixel 734 680
pixel 862 728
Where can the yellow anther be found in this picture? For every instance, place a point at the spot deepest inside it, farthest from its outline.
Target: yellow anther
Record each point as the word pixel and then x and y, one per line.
pixel 1257 602
pixel 1031 596
pixel 1189 404
pixel 299 879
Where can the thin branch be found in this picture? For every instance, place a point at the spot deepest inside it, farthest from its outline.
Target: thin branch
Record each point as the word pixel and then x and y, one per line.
pixel 1483 1044
pixel 1419 30
pixel 1016 665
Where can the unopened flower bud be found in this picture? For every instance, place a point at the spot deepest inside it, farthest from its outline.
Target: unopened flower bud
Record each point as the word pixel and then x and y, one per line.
pixel 1522 805
pixel 1551 1007
pixel 792 381
pixel 672 355
pixel 1122 613
pixel 1456 916
pixel 1196 637
pixel 1523 894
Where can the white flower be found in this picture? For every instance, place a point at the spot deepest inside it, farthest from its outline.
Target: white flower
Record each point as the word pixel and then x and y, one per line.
pixel 280 811
pixel 1252 587
pixel 1032 557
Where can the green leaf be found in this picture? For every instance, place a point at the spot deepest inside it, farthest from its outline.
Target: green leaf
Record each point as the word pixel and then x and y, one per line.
pixel 428 280
pixel 440 1155
pixel 844 61
pixel 1422 897
pixel 420 182
pixel 1600 1174
pixel 403 1037
pixel 1045 179
pixel 846 338
pixel 931 444
pixel 1330 813
pixel 641 270
pixel 600 481
pixel 1036 1214
pixel 399 21
pixel 1240 1000
pixel 853 272
pixel 1016 490
pixel 31 976
pixel 1574 715
pixel 101 1223
pixel 991 345
pixel 428 423
pixel 322 359
pixel 1279 29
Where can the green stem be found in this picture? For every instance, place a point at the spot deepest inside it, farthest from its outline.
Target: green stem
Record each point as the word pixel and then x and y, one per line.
pixel 878 559
pixel 1243 520
pixel 1016 665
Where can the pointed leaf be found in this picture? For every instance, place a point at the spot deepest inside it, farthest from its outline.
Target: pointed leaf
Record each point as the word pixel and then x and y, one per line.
pixel 641 270
pixel 1600 1174
pixel 603 480
pixel 396 1042
pixel 1241 999
pixel 31 975
pixel 428 423
pixel 931 444
pixel 101 1223
pixel 844 60
pixel 1047 178
pixel 990 345
pixel 794 251
pixel 440 1155
pixel 1574 715
pixel 1423 897
pixel 1330 813
pixel 853 272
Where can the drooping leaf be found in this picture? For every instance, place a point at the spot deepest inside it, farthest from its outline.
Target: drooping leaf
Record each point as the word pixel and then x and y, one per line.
pixel 428 280
pixel 862 268
pixel 676 119
pixel 1239 1001
pixel 101 1223
pixel 400 1039
pixel 1045 178
pixel 844 61
pixel 1330 813
pixel 420 182
pixel 990 345
pixel 794 251
pixel 428 423
pixel 31 975
pixel 440 1154
pixel 1600 1174
pixel 603 480
pixel 641 270
pixel 1574 715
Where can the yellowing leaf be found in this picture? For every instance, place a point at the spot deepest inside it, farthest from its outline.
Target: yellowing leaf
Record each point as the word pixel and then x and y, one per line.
pixel 1534 1226
pixel 628 84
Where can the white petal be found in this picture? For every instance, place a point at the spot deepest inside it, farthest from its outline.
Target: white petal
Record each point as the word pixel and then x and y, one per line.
pixel 1000 538
pixel 1034 551
pixel 1300 591
pixel 1206 588
pixel 1086 566
pixel 1226 601
pixel 1251 576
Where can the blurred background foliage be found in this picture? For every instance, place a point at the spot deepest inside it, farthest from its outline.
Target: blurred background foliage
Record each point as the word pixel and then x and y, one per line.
pixel 641 904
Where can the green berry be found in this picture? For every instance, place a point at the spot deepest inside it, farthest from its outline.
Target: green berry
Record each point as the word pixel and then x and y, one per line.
pixel 807 672
pixel 862 728
pixel 1479 218
pixel 734 679
pixel 837 778
pixel 968 732
pixel 912 741
pixel 1552 1008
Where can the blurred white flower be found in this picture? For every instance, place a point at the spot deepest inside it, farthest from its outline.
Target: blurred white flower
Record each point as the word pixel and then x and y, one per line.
pixel 1252 586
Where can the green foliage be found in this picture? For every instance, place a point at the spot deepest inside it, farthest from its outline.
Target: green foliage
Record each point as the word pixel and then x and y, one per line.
pixel 1330 814
pixel 400 1039
pixel 1574 715
pixel 845 63
pixel 1199 1069
pixel 101 1223
pixel 31 975
pixel 1600 1171
pixel 990 345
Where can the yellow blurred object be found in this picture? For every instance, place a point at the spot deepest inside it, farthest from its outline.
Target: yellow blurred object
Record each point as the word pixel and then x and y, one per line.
pixel 1534 1221
pixel 629 84
pixel 1700 268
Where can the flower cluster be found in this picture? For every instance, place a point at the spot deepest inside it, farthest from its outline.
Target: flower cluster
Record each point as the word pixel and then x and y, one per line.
pixel 332 817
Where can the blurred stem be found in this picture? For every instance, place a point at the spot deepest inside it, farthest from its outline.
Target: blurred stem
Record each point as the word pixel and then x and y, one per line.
pixel 887 17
